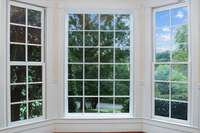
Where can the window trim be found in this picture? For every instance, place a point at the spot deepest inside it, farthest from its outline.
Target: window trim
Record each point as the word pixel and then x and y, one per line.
pixel 189 63
pixel 132 66
pixel 42 63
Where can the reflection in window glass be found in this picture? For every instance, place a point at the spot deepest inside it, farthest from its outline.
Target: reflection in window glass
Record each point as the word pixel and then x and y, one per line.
pixel 171 62
pixel 98 54
pixel 26 63
pixel 17 15
pixel 17 34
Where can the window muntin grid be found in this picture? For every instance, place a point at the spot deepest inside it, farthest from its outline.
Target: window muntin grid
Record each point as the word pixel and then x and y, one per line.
pixel 95 35
pixel 26 62
pixel 171 62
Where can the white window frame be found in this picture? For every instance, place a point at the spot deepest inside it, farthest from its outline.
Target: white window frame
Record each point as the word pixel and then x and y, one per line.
pixel 169 119
pixel 28 63
pixel 132 66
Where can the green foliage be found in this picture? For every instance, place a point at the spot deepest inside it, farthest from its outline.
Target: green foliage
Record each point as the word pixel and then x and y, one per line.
pixel 162 72
pixel 178 71
pixel 181 38
pixel 182 34
pixel 163 56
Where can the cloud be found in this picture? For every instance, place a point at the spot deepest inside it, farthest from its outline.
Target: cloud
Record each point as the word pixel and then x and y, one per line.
pixel 163 48
pixel 166 29
pixel 165 37
pixel 180 14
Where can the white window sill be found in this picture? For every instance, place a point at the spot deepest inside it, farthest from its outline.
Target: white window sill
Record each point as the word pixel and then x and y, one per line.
pixel 171 121
pixel 26 124
pixel 98 116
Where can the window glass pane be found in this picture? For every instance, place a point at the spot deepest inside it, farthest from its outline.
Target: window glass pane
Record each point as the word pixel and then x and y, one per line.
pixel 91 54
pixel 35 91
pixel 180 53
pixel 35 73
pixel 91 88
pixel 91 22
pixel 106 55
pixel 75 22
pixel 106 38
pixel 163 18
pixel 106 88
pixel 18 74
pixel 75 71
pixel 180 34
pixel 18 112
pixel 18 93
pixel 91 105
pixel 17 15
pixel 75 38
pixel 34 18
pixel 34 53
pixel 91 71
pixel 91 38
pixel 122 88
pixel 75 55
pixel 35 109
pixel 75 105
pixel 122 39
pixel 17 52
pixel 180 43
pixel 34 36
pixel 163 44
pixel 75 88
pixel 122 55
pixel 106 105
pixel 122 72
pixel 179 16
pixel 162 72
pixel 179 91
pixel 162 108
pixel 179 110
pixel 121 105
pixel 122 22
pixel 179 72
pixel 107 22
pixel 17 34
pixel 162 90
pixel 106 71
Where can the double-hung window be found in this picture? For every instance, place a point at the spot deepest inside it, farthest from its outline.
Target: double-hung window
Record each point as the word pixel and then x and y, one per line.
pixel 99 54
pixel 25 62
pixel 171 79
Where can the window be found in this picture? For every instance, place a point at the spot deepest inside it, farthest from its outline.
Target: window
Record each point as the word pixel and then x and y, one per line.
pixel 26 62
pixel 99 54
pixel 171 62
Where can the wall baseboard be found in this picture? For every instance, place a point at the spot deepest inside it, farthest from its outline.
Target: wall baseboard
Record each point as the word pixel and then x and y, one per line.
pixel 101 126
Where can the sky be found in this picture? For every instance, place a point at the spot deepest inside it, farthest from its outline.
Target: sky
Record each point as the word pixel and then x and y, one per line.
pixel 166 30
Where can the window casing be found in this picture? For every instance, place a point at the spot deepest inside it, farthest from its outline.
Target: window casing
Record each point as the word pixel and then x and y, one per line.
pixel 26 65
pixel 98 45
pixel 171 63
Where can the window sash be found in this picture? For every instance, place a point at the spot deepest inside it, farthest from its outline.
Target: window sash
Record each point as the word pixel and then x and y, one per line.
pixel 26 63
pixel 98 63
pixel 170 63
